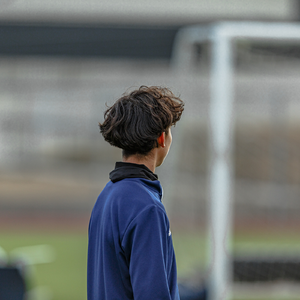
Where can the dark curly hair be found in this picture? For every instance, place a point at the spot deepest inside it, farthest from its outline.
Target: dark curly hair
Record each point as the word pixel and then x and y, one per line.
pixel 137 119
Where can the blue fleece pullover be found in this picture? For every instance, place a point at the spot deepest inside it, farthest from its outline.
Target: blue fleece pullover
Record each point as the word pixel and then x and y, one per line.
pixel 130 254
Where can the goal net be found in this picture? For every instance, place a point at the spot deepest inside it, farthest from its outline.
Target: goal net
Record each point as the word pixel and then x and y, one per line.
pixel 253 152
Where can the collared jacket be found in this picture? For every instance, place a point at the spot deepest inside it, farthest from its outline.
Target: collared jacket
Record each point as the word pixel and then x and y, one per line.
pixel 130 253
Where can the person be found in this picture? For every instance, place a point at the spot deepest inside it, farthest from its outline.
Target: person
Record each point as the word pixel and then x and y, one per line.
pixel 130 249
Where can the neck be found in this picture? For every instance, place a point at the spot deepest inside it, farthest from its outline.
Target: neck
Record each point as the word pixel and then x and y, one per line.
pixel 148 161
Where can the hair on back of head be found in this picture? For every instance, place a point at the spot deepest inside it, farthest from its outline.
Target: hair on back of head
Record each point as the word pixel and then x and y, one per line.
pixel 135 121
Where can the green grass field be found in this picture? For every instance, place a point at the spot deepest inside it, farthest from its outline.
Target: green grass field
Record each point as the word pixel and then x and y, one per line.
pixel 66 275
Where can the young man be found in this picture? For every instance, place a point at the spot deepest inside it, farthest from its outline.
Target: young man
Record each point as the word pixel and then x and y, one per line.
pixel 130 253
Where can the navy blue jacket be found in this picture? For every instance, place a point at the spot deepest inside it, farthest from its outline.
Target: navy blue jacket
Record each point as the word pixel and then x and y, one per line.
pixel 130 254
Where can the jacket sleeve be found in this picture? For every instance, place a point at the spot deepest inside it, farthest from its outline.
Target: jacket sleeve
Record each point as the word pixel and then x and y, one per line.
pixel 150 255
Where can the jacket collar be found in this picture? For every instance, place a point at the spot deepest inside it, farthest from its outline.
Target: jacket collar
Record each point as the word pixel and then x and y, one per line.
pixel 129 170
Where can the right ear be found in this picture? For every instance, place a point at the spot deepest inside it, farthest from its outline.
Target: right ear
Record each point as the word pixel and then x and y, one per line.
pixel 161 140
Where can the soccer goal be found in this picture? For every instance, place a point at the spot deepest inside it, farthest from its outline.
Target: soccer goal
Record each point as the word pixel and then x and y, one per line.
pixel 253 142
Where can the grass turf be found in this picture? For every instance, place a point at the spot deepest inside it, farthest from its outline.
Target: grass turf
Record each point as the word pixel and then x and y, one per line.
pixel 66 276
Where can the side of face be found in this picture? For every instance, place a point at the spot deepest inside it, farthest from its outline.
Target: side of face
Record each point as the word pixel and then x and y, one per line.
pixel 164 144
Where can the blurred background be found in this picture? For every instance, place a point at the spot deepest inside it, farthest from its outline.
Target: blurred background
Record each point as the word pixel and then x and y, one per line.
pixel 62 61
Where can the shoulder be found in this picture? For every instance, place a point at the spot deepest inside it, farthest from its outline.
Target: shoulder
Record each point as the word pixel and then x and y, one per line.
pixel 130 194
pixel 132 190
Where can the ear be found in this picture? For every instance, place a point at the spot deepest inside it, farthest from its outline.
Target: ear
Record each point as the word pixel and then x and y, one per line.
pixel 161 140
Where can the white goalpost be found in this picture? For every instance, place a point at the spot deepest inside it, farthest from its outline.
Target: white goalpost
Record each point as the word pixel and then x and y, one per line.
pixel 222 37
